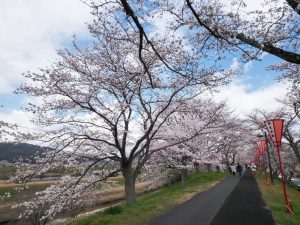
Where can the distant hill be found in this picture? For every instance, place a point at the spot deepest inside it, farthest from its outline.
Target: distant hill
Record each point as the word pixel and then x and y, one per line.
pixel 11 151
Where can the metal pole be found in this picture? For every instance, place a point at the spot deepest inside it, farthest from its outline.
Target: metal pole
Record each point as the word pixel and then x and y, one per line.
pixel 282 177
pixel 270 167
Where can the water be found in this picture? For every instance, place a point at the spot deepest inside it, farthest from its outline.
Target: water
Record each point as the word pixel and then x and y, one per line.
pixel 50 178
pixel 45 179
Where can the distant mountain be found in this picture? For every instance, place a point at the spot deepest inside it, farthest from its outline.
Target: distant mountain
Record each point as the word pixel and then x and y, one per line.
pixel 11 152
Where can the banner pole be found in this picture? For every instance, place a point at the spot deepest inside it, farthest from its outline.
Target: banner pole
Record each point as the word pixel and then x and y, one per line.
pixel 282 177
pixel 270 166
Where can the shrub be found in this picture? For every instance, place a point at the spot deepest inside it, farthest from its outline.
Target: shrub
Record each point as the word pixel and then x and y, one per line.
pixel 114 210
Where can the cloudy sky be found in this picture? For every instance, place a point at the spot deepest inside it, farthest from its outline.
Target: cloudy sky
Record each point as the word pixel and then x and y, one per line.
pixel 32 30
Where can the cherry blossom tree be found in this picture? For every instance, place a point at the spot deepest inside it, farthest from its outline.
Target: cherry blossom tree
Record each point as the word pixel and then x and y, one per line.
pixel 188 137
pixel 273 27
pixel 102 106
pixel 110 107
pixel 290 73
pixel 290 145
pixel 235 144
pixel 291 131
pixel 210 135
pixel 46 204
pixel 267 29
pixel 221 30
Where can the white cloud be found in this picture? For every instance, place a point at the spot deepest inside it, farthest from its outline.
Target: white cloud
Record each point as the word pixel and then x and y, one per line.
pixel 244 102
pixel 20 118
pixel 31 31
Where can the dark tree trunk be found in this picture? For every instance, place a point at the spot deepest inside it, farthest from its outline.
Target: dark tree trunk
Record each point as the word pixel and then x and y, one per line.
pixel 208 167
pixel 184 175
pixel 129 184
pixel 197 167
pixel 296 151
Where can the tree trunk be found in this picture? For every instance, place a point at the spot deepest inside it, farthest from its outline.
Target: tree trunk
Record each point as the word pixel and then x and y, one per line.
pixel 184 175
pixel 197 167
pixel 129 185
pixel 208 167
pixel 296 151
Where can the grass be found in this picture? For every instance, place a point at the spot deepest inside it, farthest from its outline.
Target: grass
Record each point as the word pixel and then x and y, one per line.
pixel 108 195
pixel 113 210
pixel 273 196
pixel 152 204
pixel 22 195
pixel 6 172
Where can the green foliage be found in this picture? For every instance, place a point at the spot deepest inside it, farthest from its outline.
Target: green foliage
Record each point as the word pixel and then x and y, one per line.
pixel 22 195
pixel 4 190
pixel 6 172
pixel 152 204
pixel 113 210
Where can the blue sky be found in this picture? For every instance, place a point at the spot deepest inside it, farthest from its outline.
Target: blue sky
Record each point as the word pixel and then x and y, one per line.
pixel 32 30
pixel 257 75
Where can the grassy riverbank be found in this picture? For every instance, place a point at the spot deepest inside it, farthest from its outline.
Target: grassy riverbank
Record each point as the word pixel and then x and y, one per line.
pixel 6 212
pixel 152 204
pixel 102 197
pixel 273 196
pixel 6 172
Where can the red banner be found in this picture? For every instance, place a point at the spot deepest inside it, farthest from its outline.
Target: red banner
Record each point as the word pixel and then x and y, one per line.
pixel 275 129
pixel 263 146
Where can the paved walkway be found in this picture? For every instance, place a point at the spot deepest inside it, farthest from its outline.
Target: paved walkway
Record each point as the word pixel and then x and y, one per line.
pixel 244 206
pixel 234 201
pixel 200 209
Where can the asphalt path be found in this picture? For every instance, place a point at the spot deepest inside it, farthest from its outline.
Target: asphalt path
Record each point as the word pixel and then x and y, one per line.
pixel 244 206
pixel 233 201
pixel 200 209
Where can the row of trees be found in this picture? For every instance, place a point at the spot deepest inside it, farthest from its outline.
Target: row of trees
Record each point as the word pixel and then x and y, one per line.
pixel 133 100
pixel 199 132
pixel 291 133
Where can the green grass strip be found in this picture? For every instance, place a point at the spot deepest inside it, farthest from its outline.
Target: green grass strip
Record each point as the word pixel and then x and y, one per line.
pixel 152 204
pixel 273 196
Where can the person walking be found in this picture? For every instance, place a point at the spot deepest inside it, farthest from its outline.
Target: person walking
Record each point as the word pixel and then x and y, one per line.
pixel 229 169
pixel 253 168
pixel 239 169
pixel 233 169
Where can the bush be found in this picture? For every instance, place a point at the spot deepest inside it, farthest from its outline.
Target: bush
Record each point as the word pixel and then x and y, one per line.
pixel 113 210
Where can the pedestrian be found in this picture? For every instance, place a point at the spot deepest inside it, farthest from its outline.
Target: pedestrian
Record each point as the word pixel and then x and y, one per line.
pixel 239 169
pixel 253 168
pixel 218 168
pixel 233 169
pixel 229 169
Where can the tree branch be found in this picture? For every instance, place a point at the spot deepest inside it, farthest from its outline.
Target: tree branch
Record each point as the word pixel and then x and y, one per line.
pixel 265 46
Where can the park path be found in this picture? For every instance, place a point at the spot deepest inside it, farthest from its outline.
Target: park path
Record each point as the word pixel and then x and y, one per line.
pixel 233 201
pixel 244 206
pixel 200 209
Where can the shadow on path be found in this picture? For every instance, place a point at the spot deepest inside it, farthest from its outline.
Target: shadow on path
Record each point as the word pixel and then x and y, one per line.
pixel 200 209
pixel 244 206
